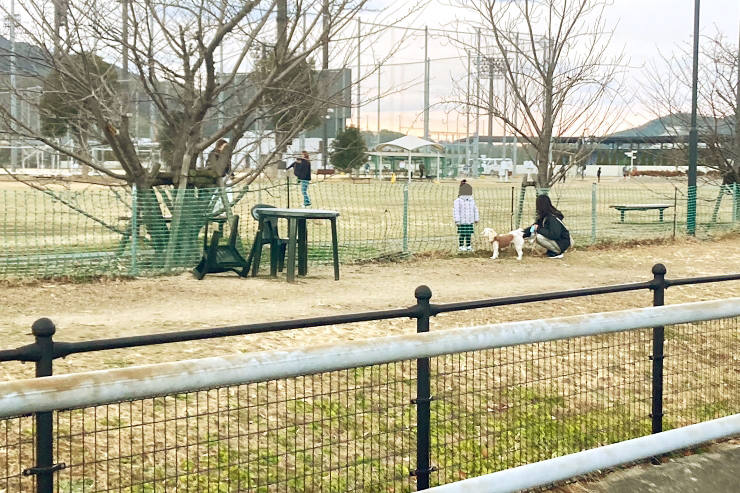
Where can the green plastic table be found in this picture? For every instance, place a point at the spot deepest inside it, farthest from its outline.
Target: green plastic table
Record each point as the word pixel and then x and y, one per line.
pixel 298 237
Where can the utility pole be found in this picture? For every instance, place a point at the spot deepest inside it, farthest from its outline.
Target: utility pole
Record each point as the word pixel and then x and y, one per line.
pixel 477 110
pixel 325 69
pixel 359 51
pixel 220 80
pixel 467 117
pixel 152 106
pixel 490 102
pixel 693 133
pixel 736 161
pixel 13 89
pixel 281 48
pixel 60 18
pixel 503 126
pixel 514 81
pixel 426 83
pixel 302 135
pixel 124 65
pixel 379 93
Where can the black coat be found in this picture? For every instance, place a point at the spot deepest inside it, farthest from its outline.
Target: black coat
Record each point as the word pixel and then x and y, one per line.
pixel 552 228
pixel 301 169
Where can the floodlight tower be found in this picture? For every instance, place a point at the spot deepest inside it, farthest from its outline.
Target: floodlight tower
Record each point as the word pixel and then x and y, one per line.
pixel 492 68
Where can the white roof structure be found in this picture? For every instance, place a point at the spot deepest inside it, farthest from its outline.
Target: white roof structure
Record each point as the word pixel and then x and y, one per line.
pixel 408 143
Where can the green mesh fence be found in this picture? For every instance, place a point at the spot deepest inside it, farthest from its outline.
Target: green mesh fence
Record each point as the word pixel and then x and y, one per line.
pixel 88 233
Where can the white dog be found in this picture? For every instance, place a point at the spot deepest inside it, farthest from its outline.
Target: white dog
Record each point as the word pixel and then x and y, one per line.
pixel 499 242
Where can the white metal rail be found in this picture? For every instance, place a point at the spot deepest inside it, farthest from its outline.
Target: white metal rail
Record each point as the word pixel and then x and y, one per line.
pixel 573 465
pixel 99 387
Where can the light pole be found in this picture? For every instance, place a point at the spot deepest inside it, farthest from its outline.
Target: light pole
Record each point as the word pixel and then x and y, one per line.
pixel 325 69
pixel 13 88
pixel 693 133
pixel 492 68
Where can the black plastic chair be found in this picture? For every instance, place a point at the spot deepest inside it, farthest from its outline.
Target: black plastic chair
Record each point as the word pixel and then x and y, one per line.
pixel 267 234
pixel 221 258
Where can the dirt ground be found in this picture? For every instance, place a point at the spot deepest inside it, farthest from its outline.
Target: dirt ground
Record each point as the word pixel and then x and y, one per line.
pixel 115 308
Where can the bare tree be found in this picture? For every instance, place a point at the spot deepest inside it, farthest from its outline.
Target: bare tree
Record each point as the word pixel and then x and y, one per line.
pixel 667 94
pixel 552 55
pixel 99 59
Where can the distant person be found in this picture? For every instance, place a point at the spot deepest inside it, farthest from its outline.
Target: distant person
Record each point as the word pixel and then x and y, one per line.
pixel 550 231
pixel 503 173
pixel 562 173
pixel 422 170
pixel 625 172
pixel 302 170
pixel 465 214
pixel 218 160
pixel 598 175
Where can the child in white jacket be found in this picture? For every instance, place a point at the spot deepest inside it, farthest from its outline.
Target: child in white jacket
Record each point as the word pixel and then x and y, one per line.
pixel 465 213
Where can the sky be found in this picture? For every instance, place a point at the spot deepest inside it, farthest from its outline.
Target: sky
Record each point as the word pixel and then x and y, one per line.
pixel 643 29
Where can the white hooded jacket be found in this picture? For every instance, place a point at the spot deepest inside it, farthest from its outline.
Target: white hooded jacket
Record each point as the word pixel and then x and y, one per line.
pixel 464 210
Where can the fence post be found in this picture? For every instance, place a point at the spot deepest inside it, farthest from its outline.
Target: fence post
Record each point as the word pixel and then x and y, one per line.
pixel 658 287
pixel 423 397
pixel 405 218
pixel 734 204
pixel 593 213
pixel 511 217
pixel 287 187
pixel 520 207
pixel 43 329
pixel 134 227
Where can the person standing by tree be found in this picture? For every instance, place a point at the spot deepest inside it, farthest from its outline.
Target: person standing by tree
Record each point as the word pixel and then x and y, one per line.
pixel 302 171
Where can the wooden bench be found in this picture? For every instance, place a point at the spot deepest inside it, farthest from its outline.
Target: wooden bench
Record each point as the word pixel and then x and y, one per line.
pixel 641 207
pixel 324 171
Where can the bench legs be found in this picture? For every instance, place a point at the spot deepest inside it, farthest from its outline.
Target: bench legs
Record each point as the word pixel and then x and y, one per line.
pixel 660 212
pixel 292 240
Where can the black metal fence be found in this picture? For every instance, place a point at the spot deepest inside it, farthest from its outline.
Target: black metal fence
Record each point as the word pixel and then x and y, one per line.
pixel 401 426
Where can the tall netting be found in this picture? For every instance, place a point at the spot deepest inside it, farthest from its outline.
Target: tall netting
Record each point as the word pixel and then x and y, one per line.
pixel 89 232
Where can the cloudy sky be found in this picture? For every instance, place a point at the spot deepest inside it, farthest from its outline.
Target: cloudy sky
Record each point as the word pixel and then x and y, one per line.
pixel 642 29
